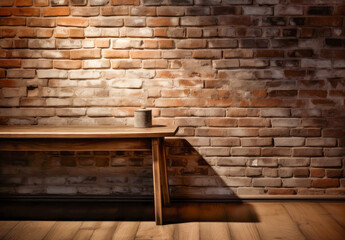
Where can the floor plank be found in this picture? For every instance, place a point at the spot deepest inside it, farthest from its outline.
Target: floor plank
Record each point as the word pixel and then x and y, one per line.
pixel 243 231
pixel 149 230
pixel 188 231
pixel 314 221
pixel 83 234
pixel 214 230
pixel 29 230
pixel 337 211
pixel 63 231
pixel 6 226
pixel 104 231
pixel 90 225
pixel 275 223
pixel 126 231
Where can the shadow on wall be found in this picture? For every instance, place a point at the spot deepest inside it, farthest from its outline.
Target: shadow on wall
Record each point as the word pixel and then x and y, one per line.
pixel 193 176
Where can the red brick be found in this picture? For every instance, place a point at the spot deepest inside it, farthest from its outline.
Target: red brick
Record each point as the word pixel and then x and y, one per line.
pixel 26 12
pixel 325 183
pixel 137 32
pixel 194 32
pixel 251 142
pixel 6 3
pixel 115 54
pixel 243 132
pixel 13 21
pixel 76 33
pixel 244 53
pixel 114 11
pixel 313 93
pixel 162 22
pixel 72 22
pixel 333 133
pixel 224 10
pixel 41 3
pixel 323 102
pixel 30 63
pixel 165 43
pixel 234 20
pixel 125 2
pixel 307 152
pixel 276 151
pixel 44 33
pixel 212 54
pixel 245 151
pixel 301 172
pixel 225 142
pixel 103 43
pixel 23 3
pixel 8 32
pixel 22 43
pixel 222 43
pixel 324 21
pixel 67 64
pixel 266 182
pixel 134 22
pixel 257 63
pixel 288 10
pixel 150 44
pixel 198 21
pixel 125 64
pixel 191 43
pixel 269 53
pixel 297 182
pixel 85 11
pixel 281 191
pixel 9 83
pixel 283 93
pixel 336 93
pixel 8 63
pixel 85 54
pixel 222 122
pixel 41 22
pixel 328 53
pixel 266 102
pixel 57 11
pixel 253 122
pixel 170 11
pixel 259 93
pixel 155 64
pixel 143 11
pixel 317 172
pixel 5 12
pixel 145 54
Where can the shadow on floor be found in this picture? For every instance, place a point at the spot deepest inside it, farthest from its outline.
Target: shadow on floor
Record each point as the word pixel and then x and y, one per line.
pixel 177 212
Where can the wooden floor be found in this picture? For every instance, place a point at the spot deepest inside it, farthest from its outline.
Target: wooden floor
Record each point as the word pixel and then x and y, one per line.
pixel 254 220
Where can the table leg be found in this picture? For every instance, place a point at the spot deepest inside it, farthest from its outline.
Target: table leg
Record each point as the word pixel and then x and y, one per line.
pixel 157 180
pixel 164 174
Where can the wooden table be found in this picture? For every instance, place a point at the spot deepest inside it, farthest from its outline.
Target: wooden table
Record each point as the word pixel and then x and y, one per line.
pixel 97 138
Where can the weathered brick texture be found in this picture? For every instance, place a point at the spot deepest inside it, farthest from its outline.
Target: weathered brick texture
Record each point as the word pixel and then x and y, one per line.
pixel 256 86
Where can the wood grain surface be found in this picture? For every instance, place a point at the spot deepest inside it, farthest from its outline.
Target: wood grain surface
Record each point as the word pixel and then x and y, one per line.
pixel 85 132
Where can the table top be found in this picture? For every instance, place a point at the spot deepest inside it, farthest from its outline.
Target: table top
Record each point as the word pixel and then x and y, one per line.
pixel 34 131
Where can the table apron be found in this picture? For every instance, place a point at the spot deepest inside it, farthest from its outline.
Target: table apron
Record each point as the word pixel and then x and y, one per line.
pixel 76 144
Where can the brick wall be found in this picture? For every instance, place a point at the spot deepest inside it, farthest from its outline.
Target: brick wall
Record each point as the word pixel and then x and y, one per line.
pixel 256 86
